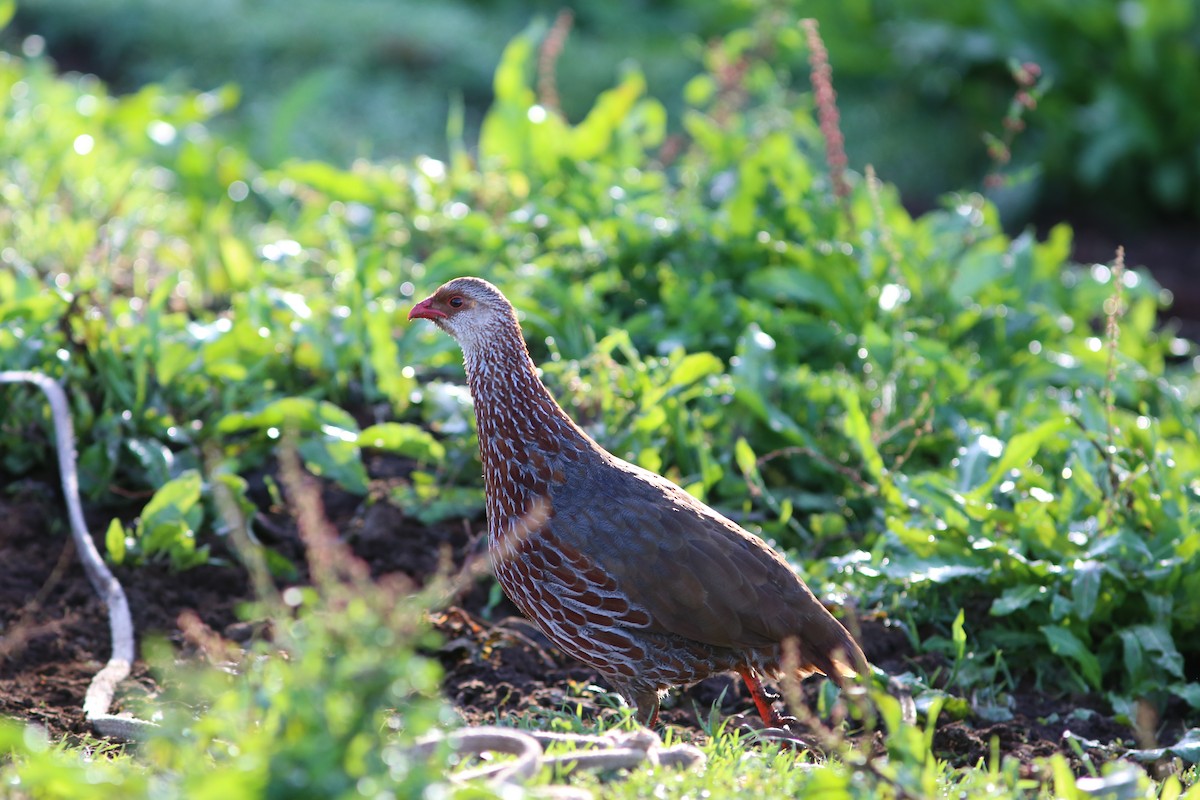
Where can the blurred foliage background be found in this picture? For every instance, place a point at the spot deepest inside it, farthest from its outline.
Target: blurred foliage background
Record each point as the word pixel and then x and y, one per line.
pixel 1116 140
pixel 957 427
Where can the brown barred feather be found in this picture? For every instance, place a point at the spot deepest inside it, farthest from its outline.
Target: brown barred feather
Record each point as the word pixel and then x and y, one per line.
pixel 619 567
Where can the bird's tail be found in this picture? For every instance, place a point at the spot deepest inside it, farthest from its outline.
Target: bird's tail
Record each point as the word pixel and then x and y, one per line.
pixel 827 647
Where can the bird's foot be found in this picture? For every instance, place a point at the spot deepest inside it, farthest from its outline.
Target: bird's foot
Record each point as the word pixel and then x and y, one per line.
pixel 770 694
pixel 789 739
pixel 785 730
pixel 781 729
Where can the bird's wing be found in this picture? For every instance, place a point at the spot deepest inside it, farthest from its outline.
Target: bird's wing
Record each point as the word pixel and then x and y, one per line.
pixel 696 573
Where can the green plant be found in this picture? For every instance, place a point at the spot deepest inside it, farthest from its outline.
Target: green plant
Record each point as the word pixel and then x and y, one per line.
pixel 953 426
pixel 1121 130
pixel 330 706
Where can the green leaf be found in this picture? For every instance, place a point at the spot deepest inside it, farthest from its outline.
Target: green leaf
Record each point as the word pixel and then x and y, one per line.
pixel 592 137
pixel 1188 692
pixel 114 541
pixel 239 264
pixel 744 456
pixel 774 418
pixel 7 9
pixel 913 569
pixel 694 367
pixel 331 180
pixel 794 285
pixel 1064 643
pixel 1186 749
pixel 176 500
pixel 153 457
pixel 934 705
pixel 403 439
pixel 1154 641
pixel 1019 450
pixel 858 431
pixel 431 504
pixel 504 134
pixel 958 635
pixel 337 460
pixel 1015 598
pixel 169 522
pixel 299 413
pixel 396 384
pixel 1085 588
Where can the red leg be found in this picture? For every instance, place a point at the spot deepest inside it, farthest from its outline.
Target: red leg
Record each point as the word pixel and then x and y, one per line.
pixel 762 701
pixel 647 708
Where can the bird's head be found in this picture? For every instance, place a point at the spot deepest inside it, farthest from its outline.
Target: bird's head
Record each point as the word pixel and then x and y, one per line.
pixel 471 310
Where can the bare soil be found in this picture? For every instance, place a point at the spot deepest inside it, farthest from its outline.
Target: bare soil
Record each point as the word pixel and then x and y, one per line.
pixel 497 665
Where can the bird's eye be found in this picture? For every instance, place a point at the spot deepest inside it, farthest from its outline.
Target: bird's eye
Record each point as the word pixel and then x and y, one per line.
pixel 456 301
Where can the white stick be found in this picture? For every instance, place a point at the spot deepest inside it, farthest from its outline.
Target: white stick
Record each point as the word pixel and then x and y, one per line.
pixel 99 695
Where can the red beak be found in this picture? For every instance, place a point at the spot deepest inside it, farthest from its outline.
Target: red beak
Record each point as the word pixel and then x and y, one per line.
pixel 425 310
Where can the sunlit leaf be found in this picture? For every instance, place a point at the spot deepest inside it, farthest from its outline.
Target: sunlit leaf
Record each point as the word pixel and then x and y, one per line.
pixel 114 541
pixel 335 459
pixel 746 460
pixel 1187 749
pixel 403 439
pixel 1019 450
pixel 694 367
pixel 1015 598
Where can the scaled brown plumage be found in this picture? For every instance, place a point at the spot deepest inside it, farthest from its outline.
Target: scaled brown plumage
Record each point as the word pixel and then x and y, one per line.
pixel 618 566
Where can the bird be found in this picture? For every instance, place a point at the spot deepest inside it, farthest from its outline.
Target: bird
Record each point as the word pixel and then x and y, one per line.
pixel 618 566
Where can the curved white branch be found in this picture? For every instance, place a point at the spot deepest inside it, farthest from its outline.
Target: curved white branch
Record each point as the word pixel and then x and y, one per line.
pixel 100 691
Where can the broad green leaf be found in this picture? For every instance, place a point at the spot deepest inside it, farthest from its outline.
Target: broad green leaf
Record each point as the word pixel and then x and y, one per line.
pixel 335 459
pixel 1154 642
pixel 592 137
pixel 1064 643
pixel 934 704
pixel 754 365
pixel 300 413
pixel 1188 692
pixel 974 461
pixel 1019 450
pixel 1186 749
pixel 504 134
pixel 1085 588
pixel 694 367
pixel 1015 598
pixel 177 499
pixel 978 269
pixel 403 439
pixel 430 503
pixel 914 569
pixel 794 285
pixel 774 418
pixel 170 521
pixel 339 183
pixel 1135 654
pixel 154 458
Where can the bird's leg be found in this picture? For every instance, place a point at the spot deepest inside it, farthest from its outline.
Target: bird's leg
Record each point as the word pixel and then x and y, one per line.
pixel 647 707
pixel 764 699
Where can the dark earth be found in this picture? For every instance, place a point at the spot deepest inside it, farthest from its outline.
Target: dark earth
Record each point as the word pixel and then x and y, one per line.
pixel 55 634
